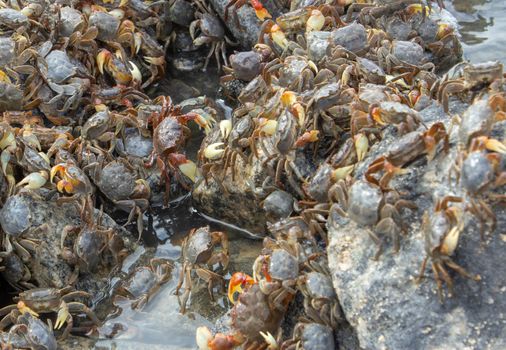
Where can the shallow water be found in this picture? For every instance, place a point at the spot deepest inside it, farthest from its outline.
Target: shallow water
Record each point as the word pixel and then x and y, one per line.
pixel 483 27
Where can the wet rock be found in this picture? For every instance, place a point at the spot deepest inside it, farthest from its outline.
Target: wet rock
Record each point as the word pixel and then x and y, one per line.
pixel 381 300
pixel 236 204
pixel 31 216
pixel 239 200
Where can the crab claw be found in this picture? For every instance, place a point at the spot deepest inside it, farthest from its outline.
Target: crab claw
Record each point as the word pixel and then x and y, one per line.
pixel 225 128
pixel 300 113
pixel 57 169
pixel 190 170
pixel 4 77
pixel 34 181
pixel 361 145
pixel 307 137
pixel 203 336
pixel 268 126
pixel 25 309
pixel 135 71
pixel 237 283
pixel 206 341
pixel 316 21
pixel 376 115
pixel 278 36
pixel 63 314
pixel 418 8
pixel 65 186
pixel 212 152
pixel 443 30
pixel 288 98
pixel 270 340
pixel 342 173
pixel 137 42
pixel 102 58
pixel 5 157
pixel 260 10
pixel 495 146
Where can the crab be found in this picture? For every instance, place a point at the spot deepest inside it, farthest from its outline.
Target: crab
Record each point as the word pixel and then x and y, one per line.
pixel 406 149
pixel 260 10
pixel 15 272
pixel 29 332
pixel 368 205
pixel 144 283
pixel 479 119
pixel 124 73
pixel 254 320
pixel 320 299
pixel 154 55
pixel 402 56
pixel 91 240
pixel 117 95
pixel 309 18
pixel 469 77
pixel 442 228
pixel 285 138
pixel 113 29
pixel 73 181
pixel 170 132
pixel 480 170
pixel 295 72
pixel 18 232
pixel 198 250
pixel 120 183
pixel 403 117
pixel 48 300
pixel 247 65
pixel 211 32
pixel 276 271
pixel 310 335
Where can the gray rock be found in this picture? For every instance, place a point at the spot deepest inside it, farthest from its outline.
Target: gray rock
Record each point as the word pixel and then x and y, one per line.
pixel 382 301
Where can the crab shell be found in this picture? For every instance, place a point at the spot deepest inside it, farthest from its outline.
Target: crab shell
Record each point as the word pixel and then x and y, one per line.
pixel 167 135
pixel 252 315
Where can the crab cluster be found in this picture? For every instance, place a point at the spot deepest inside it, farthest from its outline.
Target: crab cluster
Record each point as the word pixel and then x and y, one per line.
pixel 76 126
pixel 321 87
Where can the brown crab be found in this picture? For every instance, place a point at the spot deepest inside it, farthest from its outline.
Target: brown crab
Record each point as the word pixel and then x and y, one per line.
pixel 368 205
pixel 198 250
pixel 48 300
pixel 405 150
pixel 254 320
pixel 442 229
pixel 468 77
pixel 144 283
pixel 480 170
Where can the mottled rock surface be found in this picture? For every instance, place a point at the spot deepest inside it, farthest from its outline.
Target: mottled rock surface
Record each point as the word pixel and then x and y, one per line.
pixel 381 299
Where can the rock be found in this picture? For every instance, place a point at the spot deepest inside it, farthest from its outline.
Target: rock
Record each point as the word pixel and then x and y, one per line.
pixel 237 203
pixel 30 216
pixel 381 300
